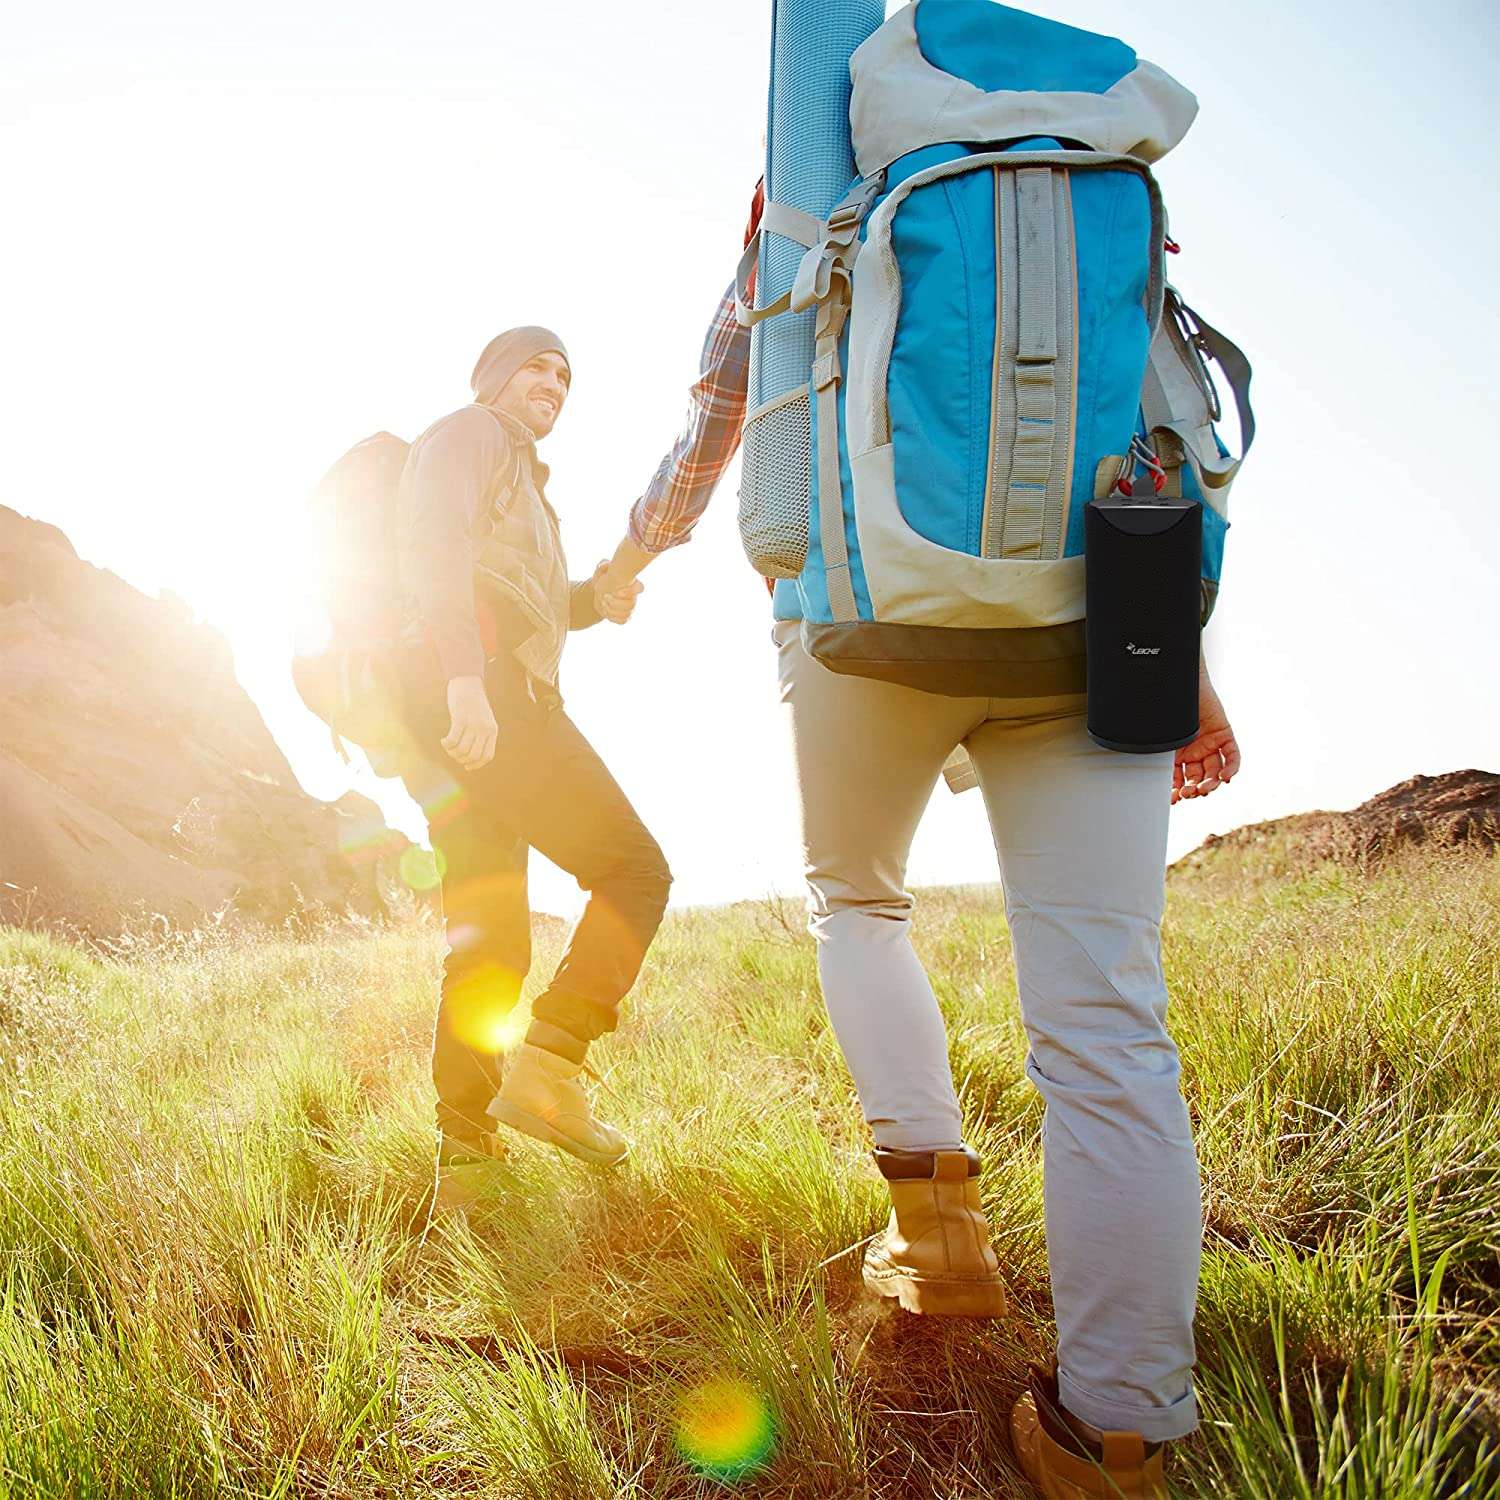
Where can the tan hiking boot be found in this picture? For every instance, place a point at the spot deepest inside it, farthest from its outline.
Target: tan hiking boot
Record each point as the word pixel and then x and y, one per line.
pixel 542 1097
pixel 935 1255
pixel 1066 1459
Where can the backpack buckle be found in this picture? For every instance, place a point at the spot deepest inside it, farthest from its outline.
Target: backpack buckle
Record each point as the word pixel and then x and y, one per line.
pixel 850 211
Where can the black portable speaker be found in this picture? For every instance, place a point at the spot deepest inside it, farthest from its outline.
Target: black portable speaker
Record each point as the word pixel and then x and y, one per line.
pixel 1141 564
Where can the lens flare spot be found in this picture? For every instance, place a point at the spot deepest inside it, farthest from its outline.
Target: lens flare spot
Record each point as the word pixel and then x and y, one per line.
pixel 422 869
pixel 725 1429
pixel 366 838
pixel 462 936
pixel 439 796
pixel 482 1009
pixel 442 800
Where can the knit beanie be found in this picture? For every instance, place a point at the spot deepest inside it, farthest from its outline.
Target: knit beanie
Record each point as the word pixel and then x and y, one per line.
pixel 506 353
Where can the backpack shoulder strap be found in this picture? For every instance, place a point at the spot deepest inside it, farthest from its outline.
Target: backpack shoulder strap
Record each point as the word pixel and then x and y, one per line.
pixel 1229 358
pixel 1178 396
pixel 507 477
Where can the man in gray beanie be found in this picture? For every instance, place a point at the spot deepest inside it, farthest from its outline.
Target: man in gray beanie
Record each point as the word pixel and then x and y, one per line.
pixel 504 770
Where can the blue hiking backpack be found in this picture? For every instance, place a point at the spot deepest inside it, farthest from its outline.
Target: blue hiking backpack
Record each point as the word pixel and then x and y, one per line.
pixel 996 346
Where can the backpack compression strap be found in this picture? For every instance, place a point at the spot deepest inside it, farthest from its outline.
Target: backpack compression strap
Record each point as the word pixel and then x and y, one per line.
pixel 790 223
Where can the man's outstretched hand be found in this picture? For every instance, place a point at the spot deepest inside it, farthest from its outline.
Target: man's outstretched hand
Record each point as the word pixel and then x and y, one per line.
pixel 1212 759
pixel 615 601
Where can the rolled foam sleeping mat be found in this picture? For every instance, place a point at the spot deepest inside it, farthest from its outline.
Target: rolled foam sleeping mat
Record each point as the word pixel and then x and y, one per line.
pixel 809 162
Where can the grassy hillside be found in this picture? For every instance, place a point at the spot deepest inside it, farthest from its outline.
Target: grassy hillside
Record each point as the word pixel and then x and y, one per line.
pixel 214 1173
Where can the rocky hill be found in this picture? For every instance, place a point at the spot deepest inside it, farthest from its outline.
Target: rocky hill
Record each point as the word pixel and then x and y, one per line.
pixel 136 775
pixel 1457 810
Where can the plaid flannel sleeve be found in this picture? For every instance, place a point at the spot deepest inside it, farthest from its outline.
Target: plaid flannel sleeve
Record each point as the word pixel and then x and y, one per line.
pixel 679 491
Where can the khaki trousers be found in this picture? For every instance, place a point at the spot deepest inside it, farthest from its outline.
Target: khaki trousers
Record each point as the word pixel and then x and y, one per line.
pixel 1081 837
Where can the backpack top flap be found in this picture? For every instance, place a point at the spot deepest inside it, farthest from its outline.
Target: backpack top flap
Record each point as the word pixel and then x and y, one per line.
pixel 1024 76
pixel 354 516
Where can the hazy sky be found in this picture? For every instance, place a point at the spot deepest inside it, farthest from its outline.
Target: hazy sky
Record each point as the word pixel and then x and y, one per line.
pixel 240 238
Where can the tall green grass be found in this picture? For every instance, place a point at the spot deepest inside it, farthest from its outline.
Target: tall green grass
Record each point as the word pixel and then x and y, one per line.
pixel 217 1275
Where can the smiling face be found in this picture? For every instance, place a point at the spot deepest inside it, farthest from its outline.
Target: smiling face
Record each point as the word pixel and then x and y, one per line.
pixel 535 394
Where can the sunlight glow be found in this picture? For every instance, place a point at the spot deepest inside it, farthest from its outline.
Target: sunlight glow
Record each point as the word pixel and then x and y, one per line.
pixel 484 1010
pixel 262 322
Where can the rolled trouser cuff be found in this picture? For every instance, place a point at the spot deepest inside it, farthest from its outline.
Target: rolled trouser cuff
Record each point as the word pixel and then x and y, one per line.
pixel 585 1019
pixel 553 1038
pixel 1157 1424
pixel 911 1166
pixel 918 1134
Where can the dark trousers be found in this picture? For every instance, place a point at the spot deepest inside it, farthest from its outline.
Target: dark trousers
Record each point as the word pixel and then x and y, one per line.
pixel 545 789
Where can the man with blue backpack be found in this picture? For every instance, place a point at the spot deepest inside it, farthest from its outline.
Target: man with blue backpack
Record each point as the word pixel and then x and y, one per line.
pixel 995 350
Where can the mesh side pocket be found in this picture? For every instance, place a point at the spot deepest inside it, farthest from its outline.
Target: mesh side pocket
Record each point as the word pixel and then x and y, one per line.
pixel 776 487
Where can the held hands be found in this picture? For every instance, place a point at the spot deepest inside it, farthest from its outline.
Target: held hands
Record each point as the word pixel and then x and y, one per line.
pixel 1212 759
pixel 472 732
pixel 615 596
